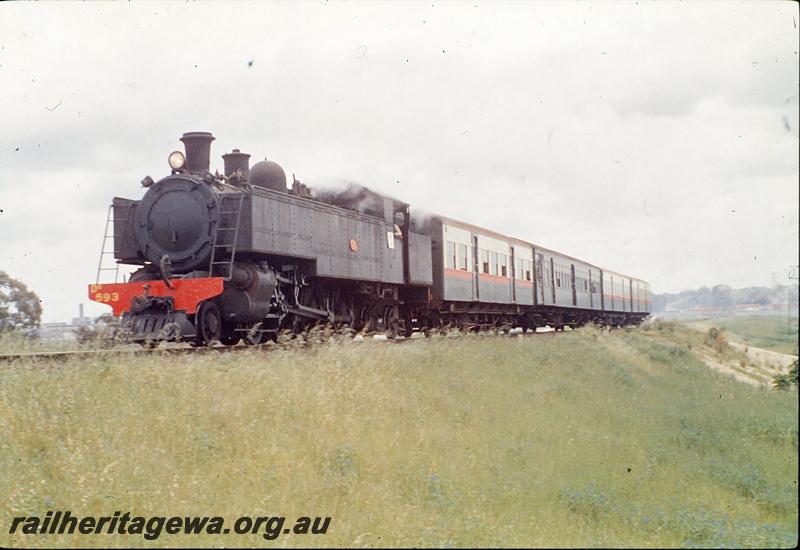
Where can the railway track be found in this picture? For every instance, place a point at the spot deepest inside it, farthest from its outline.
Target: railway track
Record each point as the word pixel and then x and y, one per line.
pixel 58 356
pixel 64 355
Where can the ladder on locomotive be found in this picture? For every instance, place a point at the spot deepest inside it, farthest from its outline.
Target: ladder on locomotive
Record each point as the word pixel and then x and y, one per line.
pixel 108 234
pixel 224 267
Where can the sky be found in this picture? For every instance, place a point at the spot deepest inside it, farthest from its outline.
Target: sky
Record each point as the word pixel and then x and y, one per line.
pixel 656 140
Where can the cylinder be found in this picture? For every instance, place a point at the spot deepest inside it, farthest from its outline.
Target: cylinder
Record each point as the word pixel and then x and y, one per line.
pixel 198 150
pixel 236 160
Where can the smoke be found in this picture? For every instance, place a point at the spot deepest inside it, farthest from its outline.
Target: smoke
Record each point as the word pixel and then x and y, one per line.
pixel 420 218
pixel 355 196
pixel 330 185
pixel 349 194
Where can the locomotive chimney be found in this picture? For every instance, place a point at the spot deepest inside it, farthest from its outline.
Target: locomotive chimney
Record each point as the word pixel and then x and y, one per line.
pixel 236 160
pixel 198 150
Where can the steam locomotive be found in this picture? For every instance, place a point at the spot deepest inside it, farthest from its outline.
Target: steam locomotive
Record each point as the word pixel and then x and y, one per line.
pixel 241 256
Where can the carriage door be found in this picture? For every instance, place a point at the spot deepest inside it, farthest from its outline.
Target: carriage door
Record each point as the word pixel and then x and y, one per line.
pixel 572 279
pixel 512 272
pixel 475 270
pixel 537 275
pixel 631 293
pixel 611 291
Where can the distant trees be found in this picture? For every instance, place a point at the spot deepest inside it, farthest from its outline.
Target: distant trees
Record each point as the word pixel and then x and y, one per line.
pixel 725 297
pixel 757 295
pixel 20 308
pixel 702 296
pixel 722 296
pixel 660 302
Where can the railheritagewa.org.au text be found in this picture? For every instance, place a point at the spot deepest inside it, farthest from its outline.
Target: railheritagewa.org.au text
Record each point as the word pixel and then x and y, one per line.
pixel 60 522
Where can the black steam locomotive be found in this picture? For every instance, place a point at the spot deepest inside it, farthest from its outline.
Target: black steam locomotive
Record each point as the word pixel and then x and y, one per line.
pixel 239 256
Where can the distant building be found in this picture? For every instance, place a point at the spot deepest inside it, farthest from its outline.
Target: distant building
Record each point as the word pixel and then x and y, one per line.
pixel 80 320
pixel 57 332
pixel 64 332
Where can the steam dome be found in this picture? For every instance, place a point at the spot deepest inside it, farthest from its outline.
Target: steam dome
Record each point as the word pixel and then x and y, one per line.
pixel 268 174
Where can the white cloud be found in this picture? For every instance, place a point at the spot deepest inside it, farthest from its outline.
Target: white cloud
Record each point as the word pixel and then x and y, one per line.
pixel 627 134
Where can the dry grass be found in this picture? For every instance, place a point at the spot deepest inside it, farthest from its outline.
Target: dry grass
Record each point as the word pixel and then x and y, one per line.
pixel 582 439
pixel 11 342
pixel 775 333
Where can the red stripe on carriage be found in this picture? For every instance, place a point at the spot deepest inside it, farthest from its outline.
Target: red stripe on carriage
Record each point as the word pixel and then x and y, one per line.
pixel 494 278
pixel 460 273
pixel 187 293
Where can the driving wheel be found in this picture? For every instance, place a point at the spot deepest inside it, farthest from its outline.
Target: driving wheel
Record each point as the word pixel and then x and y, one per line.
pixel 208 324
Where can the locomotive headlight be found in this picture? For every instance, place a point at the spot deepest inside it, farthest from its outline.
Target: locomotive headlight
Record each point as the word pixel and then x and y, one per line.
pixel 176 160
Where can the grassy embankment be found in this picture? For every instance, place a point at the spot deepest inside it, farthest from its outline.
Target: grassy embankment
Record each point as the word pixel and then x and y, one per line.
pixel 580 439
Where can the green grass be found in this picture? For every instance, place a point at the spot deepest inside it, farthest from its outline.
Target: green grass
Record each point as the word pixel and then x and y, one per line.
pixel 770 332
pixel 580 439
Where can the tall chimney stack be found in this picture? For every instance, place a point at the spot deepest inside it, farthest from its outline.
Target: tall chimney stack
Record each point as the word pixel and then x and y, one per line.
pixel 198 150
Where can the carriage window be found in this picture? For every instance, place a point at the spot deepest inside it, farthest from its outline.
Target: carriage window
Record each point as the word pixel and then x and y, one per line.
pixel 485 260
pixel 450 257
pixel 503 261
pixel 463 257
pixel 494 262
pixel 582 279
pixel 563 276
pixel 528 270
